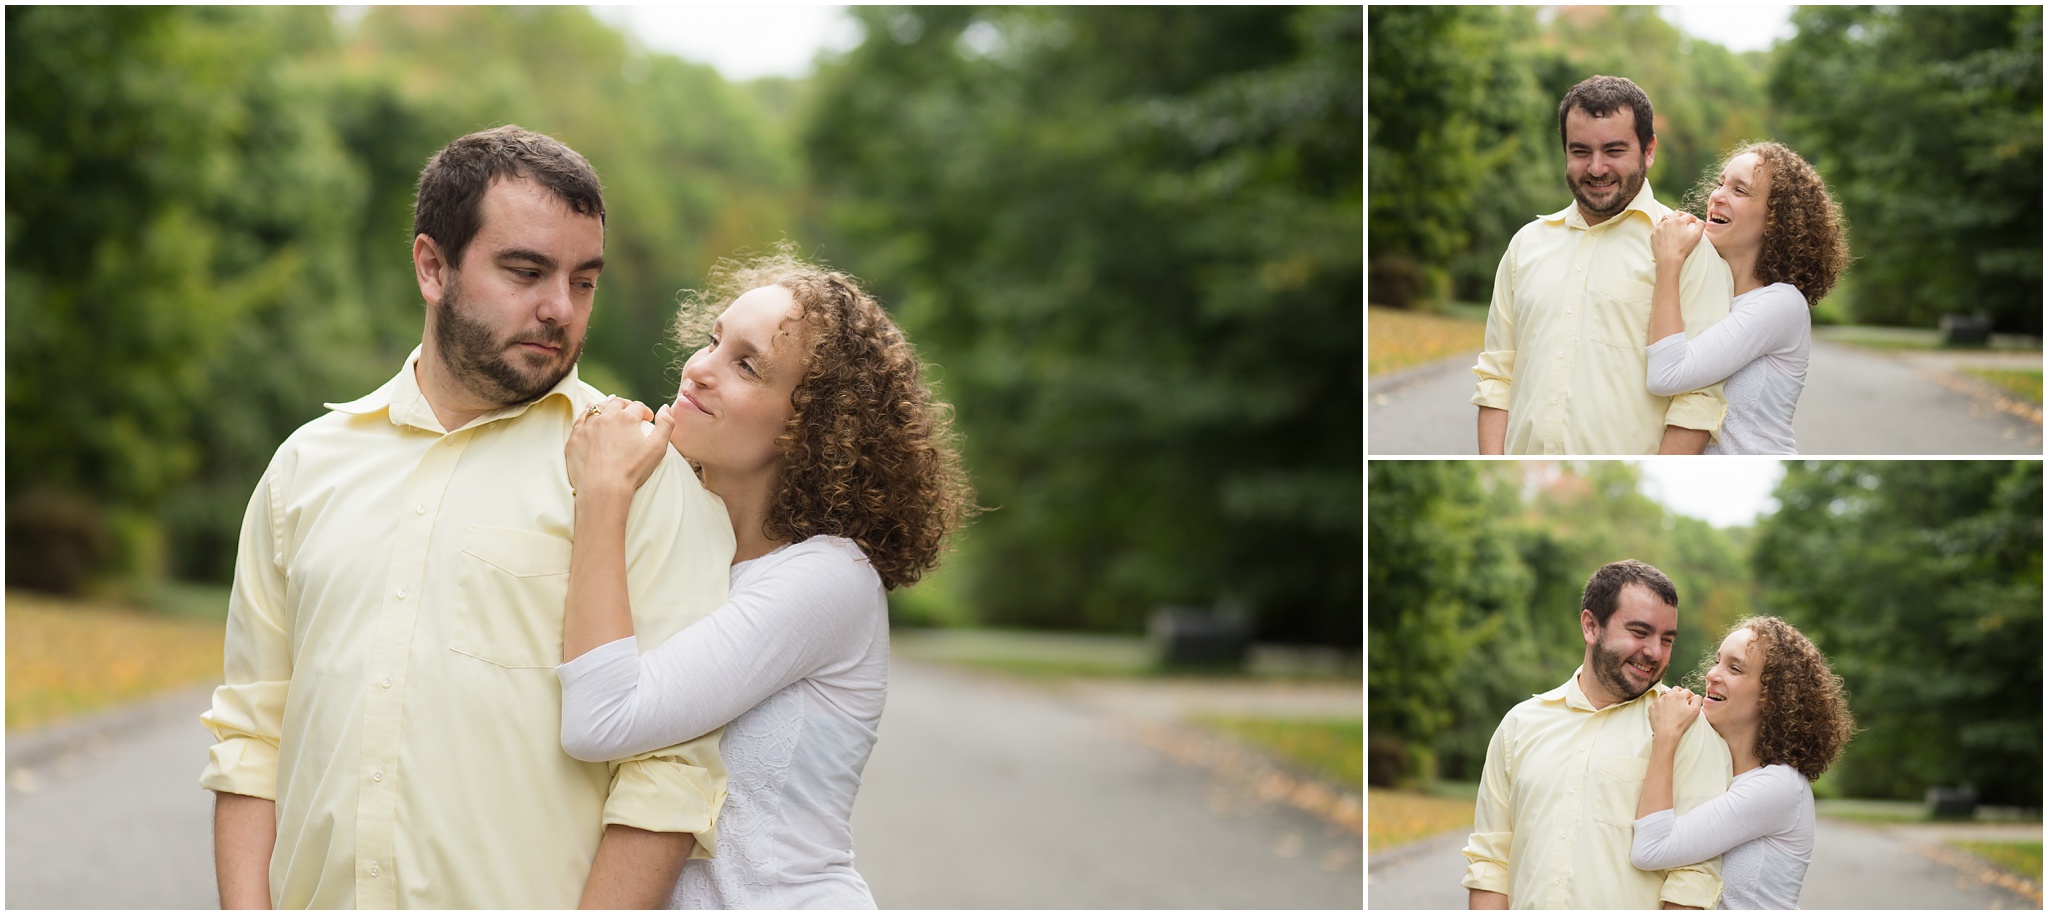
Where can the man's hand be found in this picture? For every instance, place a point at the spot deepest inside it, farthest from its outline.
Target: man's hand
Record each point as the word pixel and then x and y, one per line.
pixel 635 868
pixel 1680 440
pixel 1485 899
pixel 1493 430
pixel 244 834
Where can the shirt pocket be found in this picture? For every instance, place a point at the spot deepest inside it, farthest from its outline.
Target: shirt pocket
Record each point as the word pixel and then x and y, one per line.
pixel 1621 313
pixel 514 585
pixel 1618 788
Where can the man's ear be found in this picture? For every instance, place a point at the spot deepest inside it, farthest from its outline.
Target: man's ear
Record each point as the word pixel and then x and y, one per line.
pixel 430 268
pixel 1589 627
pixel 1650 153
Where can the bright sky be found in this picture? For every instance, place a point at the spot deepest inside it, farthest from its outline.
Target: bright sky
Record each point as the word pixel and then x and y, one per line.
pixel 1727 491
pixel 1737 27
pixel 742 42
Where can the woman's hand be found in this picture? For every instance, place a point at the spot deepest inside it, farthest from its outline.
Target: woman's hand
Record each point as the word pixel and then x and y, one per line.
pixel 1673 712
pixel 1675 236
pixel 614 448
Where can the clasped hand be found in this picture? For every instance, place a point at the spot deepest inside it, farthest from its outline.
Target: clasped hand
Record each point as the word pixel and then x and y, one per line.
pixel 1675 237
pixel 1673 712
pixel 616 448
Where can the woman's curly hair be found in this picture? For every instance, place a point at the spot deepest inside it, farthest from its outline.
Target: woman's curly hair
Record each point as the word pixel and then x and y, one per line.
pixel 1806 241
pixel 1803 718
pixel 868 452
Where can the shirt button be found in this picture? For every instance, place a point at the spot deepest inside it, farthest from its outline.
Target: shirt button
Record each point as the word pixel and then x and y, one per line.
pixel 373 868
pixel 419 509
pixel 401 591
pixel 386 683
pixel 378 776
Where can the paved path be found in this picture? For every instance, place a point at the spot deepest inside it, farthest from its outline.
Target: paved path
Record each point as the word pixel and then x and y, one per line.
pixel 1854 867
pixel 1857 401
pixel 983 793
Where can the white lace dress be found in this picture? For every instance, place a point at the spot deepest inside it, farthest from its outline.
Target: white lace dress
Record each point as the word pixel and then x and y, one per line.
pixel 797 661
pixel 1761 350
pixel 1762 829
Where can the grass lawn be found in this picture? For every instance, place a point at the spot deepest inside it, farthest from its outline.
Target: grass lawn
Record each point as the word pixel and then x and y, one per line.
pixel 2025 385
pixel 1397 340
pixel 67 656
pixel 1331 748
pixel 2022 858
pixel 1396 818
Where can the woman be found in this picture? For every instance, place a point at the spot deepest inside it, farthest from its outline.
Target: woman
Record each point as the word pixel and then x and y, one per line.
pixel 1771 697
pixel 1772 221
pixel 804 412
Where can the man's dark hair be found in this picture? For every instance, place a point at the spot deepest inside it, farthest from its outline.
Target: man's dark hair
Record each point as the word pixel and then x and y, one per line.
pixel 1603 590
pixel 1601 96
pixel 448 207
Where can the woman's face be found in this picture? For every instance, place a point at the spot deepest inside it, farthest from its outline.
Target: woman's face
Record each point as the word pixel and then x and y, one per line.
pixel 735 395
pixel 1737 208
pixel 1735 685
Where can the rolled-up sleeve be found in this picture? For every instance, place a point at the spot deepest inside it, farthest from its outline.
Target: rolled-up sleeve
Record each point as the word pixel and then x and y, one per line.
pixel 673 789
pixel 1705 291
pixel 1493 819
pixel 1496 367
pixel 1701 774
pixel 247 716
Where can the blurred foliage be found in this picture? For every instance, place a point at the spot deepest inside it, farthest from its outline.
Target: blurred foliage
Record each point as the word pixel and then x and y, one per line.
pixel 1943 192
pixel 1405 339
pixel 1127 238
pixel 69 657
pixel 1332 749
pixel 1925 121
pixel 1396 818
pixel 1922 582
pixel 209 220
pixel 1130 241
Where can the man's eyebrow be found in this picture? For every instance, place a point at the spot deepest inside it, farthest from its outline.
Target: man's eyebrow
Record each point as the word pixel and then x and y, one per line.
pixel 527 254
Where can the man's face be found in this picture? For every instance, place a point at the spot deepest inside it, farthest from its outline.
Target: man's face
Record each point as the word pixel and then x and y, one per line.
pixel 512 317
pixel 1630 653
pixel 1604 165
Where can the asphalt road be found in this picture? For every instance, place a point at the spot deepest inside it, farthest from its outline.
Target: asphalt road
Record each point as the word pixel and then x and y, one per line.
pixel 1853 867
pixel 983 793
pixel 1857 402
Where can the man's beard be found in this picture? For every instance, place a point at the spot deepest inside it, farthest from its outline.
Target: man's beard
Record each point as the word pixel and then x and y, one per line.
pixel 1629 185
pixel 476 357
pixel 1607 666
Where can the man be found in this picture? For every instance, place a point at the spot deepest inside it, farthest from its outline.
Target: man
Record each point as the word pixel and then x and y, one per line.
pixel 1565 369
pixel 1557 799
pixel 389 728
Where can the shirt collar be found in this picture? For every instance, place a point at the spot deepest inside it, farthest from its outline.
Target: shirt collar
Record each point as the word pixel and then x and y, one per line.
pixel 407 404
pixel 1573 697
pixel 1644 202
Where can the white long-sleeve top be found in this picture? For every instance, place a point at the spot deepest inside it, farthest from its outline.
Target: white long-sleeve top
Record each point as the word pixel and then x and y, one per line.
pixel 1761 348
pixel 797 661
pixel 1762 829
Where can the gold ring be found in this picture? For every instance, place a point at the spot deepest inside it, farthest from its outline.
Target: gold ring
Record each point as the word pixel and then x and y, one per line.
pixel 593 411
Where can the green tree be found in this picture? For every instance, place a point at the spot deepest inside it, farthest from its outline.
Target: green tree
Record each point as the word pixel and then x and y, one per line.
pixel 1926 122
pixel 1448 601
pixel 172 210
pixel 1921 580
pixel 1456 129
pixel 1129 237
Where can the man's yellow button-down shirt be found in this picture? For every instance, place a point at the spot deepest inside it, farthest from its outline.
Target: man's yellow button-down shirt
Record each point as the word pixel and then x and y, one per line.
pixel 1565 348
pixel 1557 805
pixel 392 638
